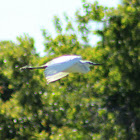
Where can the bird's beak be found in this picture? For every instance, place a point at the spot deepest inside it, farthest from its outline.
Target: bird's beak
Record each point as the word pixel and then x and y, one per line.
pixel 96 64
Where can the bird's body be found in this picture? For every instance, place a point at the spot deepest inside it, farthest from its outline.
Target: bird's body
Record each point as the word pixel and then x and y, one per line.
pixel 62 66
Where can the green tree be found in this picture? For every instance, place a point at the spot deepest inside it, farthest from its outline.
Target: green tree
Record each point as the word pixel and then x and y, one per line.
pixel 118 86
pixel 102 104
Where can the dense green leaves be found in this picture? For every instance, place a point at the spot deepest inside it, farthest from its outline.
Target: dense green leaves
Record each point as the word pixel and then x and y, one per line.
pixel 102 104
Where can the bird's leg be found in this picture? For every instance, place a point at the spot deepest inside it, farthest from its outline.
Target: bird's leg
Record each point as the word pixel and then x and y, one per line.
pixel 30 67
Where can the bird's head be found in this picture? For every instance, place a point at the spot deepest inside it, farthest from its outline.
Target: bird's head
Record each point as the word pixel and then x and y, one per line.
pixel 89 63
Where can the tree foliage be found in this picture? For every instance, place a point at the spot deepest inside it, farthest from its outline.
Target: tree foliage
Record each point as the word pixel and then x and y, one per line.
pixel 102 104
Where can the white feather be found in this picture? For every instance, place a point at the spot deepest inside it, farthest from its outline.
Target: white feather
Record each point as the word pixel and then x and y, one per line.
pixel 56 68
pixel 56 76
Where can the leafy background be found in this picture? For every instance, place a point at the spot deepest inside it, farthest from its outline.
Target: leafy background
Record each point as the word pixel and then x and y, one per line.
pixel 102 104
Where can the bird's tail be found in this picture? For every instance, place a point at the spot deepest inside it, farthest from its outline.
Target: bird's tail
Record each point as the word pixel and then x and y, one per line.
pixel 30 67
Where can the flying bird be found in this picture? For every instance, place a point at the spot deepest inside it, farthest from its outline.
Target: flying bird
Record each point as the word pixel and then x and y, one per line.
pixel 62 66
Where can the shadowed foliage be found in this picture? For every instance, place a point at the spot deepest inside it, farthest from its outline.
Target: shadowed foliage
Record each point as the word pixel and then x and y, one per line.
pixel 102 104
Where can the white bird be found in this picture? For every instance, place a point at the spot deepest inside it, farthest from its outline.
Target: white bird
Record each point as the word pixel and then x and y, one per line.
pixel 62 66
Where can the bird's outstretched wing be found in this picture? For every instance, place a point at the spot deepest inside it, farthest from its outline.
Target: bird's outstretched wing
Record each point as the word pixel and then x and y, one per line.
pixel 56 76
pixel 56 68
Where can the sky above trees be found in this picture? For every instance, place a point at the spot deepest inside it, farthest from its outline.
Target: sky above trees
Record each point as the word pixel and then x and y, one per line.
pixel 29 17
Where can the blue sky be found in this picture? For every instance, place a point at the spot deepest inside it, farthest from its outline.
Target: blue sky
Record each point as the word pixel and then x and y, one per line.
pixel 30 16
